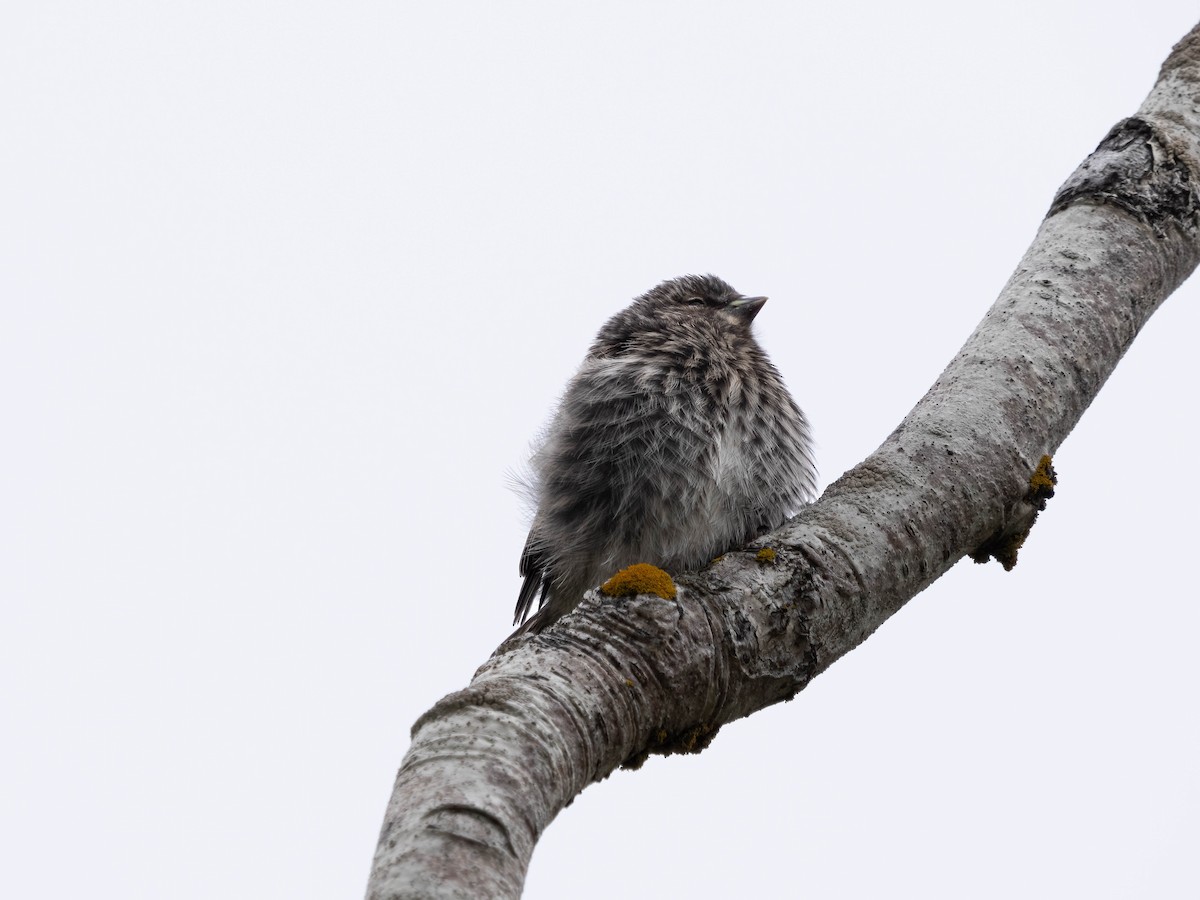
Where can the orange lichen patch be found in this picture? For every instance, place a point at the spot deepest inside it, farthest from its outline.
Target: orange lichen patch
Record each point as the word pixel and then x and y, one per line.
pixel 766 556
pixel 640 578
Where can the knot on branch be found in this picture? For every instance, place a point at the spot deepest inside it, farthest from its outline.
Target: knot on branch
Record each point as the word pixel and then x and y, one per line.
pixel 1135 169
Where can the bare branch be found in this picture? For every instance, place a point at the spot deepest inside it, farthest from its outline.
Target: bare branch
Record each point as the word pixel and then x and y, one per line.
pixel 490 766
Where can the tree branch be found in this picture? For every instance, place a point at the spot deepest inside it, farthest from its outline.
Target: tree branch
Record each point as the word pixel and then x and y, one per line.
pixel 620 678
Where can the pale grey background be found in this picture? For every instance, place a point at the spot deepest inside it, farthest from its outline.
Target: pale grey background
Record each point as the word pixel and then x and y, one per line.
pixel 288 287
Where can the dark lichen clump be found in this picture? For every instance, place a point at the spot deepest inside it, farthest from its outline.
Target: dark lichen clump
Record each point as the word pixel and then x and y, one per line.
pixel 1003 547
pixel 663 743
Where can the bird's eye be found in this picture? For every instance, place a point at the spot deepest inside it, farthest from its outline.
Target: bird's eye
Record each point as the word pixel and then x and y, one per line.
pixel 694 301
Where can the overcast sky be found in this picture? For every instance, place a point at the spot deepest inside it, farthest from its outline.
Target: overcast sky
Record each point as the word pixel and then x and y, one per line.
pixel 286 289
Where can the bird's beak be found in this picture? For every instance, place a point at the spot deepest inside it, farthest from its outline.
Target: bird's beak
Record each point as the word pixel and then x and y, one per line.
pixel 747 306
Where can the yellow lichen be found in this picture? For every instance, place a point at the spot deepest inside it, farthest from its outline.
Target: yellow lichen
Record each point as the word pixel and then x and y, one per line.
pixel 766 556
pixel 1042 482
pixel 640 578
pixel 1004 546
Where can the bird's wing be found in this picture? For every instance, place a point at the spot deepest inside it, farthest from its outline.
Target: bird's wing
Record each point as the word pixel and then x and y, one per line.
pixel 533 570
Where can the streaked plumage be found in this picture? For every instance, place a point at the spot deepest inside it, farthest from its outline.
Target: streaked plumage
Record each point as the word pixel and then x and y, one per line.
pixel 676 441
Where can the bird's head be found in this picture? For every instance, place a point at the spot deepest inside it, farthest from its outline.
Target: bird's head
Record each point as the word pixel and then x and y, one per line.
pixel 690 309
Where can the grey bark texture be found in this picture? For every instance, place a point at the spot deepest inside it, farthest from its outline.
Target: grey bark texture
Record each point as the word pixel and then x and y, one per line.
pixel 490 766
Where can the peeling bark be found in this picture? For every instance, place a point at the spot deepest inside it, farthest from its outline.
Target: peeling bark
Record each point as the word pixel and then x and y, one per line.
pixel 621 678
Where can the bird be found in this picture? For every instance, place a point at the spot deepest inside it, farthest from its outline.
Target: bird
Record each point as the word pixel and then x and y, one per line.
pixel 675 441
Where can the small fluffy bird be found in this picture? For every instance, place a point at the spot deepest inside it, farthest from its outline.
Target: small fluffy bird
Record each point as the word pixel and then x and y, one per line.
pixel 676 441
